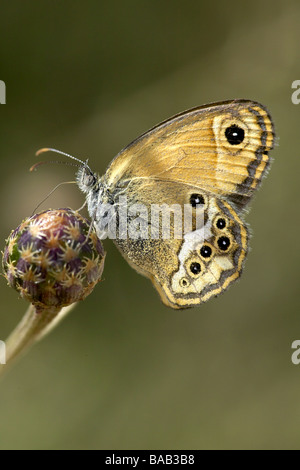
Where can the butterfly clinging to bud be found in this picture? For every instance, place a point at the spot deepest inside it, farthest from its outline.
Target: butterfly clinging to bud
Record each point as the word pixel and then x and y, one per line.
pixel 173 199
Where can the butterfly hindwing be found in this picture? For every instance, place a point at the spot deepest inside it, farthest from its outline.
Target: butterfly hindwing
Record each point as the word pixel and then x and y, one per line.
pixel 210 258
pixel 200 264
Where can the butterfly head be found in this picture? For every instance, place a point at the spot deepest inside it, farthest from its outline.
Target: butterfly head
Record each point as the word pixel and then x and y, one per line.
pixel 87 180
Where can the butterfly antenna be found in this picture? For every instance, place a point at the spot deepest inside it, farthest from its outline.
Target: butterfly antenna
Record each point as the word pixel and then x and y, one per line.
pixel 38 164
pixel 43 150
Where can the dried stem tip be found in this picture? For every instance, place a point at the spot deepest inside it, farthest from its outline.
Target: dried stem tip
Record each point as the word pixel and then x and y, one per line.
pixel 52 260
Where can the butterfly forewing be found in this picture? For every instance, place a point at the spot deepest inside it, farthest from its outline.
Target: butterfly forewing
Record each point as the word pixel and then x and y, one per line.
pixel 221 148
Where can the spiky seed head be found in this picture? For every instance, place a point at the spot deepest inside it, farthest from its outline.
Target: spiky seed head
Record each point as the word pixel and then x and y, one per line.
pixel 53 259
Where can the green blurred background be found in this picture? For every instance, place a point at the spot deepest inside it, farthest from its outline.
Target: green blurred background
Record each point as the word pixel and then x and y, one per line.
pixel 123 371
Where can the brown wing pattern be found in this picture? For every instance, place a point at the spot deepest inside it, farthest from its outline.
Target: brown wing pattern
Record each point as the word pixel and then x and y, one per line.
pixel 200 148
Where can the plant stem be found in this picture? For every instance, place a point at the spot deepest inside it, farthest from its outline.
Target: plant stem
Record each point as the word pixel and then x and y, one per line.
pixel 32 328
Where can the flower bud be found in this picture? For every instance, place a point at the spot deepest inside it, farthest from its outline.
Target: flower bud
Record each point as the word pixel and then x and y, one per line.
pixel 53 259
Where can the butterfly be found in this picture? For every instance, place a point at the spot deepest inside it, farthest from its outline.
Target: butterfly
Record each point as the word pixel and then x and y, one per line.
pixel 206 163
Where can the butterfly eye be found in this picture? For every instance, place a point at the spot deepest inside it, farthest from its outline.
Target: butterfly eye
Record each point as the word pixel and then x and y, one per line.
pixel 206 251
pixel 197 199
pixel 89 180
pixel 234 134
pixel 195 268
pixel 224 243
pixel 221 223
